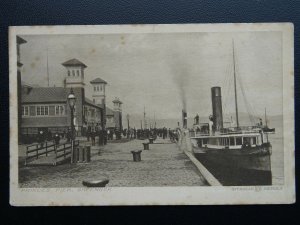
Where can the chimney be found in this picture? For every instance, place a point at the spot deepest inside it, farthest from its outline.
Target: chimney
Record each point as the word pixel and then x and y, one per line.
pixel 216 99
pixel 184 119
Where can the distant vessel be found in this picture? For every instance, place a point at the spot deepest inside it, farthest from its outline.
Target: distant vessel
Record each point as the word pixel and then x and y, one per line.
pixel 237 155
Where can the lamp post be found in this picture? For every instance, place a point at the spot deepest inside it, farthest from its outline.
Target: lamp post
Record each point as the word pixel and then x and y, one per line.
pixel 72 101
pixel 127 116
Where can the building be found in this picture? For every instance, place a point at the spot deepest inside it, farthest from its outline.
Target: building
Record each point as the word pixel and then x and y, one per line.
pixel 118 114
pixel 20 41
pixel 47 108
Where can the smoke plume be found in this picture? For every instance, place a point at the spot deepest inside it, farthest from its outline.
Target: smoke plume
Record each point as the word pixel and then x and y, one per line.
pixel 180 73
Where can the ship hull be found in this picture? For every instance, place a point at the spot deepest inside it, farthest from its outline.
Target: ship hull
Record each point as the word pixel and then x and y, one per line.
pixel 237 167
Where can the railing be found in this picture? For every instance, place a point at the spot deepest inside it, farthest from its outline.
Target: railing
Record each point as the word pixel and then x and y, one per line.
pixel 36 150
pixel 66 150
pixel 241 129
pixel 228 130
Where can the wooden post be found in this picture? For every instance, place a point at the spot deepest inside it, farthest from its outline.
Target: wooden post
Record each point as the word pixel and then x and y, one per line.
pixel 26 155
pixel 55 155
pixel 37 151
pixel 64 152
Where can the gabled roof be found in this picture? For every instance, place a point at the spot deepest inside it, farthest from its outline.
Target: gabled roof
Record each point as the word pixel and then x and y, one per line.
pixel 98 81
pixel 90 102
pixel 74 62
pixel 46 94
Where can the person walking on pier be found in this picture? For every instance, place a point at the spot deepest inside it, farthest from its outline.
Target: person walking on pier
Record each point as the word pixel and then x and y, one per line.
pixel 56 139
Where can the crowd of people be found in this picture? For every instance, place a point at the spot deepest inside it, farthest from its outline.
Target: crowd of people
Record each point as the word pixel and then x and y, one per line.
pixel 102 136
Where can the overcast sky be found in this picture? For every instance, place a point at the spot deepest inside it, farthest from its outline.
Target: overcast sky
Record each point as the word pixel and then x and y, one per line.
pixel 155 70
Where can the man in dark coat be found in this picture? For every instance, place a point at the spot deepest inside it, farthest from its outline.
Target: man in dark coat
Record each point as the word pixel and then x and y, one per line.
pixel 56 139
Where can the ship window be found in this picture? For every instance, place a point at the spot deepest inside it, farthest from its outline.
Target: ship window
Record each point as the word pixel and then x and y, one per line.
pixel 254 141
pixel 247 140
pixel 239 141
pixel 204 141
pixel 231 141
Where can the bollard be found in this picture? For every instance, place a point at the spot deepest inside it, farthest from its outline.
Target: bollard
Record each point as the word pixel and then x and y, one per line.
pixel 151 140
pixel 75 155
pixel 146 146
pixel 136 156
pixel 87 153
pixel 96 183
pixel 80 154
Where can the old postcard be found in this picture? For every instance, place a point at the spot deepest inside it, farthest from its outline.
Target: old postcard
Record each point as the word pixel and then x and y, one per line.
pixel 152 114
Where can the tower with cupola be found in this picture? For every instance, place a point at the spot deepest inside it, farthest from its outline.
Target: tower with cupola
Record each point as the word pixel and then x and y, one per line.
pixel 74 74
pixel 98 91
pixel 118 113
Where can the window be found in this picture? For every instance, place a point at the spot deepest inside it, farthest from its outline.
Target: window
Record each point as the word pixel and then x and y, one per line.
pixel 42 110
pixel 231 141
pixel 59 110
pixel 94 88
pixel 92 112
pixel 25 110
pixel 38 111
pixel 73 73
pixel 69 73
pixel 97 88
pixel 254 141
pixel 77 73
pixel 100 87
pixel 239 141
pixel 46 110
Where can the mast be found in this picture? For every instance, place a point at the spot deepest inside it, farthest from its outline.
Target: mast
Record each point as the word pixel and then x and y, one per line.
pixel 266 117
pixel 267 136
pixel 145 122
pixel 47 68
pixel 235 92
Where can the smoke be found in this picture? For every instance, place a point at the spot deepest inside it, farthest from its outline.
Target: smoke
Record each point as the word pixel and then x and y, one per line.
pixel 179 69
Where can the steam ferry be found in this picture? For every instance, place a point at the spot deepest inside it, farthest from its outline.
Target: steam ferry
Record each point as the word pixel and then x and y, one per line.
pixel 238 155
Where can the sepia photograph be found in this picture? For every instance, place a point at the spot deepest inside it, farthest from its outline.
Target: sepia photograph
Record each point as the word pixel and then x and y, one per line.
pixel 152 114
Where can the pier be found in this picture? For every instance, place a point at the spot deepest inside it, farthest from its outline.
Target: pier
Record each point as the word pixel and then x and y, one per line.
pixel 164 164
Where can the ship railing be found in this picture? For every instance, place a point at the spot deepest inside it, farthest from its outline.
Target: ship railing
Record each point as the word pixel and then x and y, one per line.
pixel 198 133
pixel 241 129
